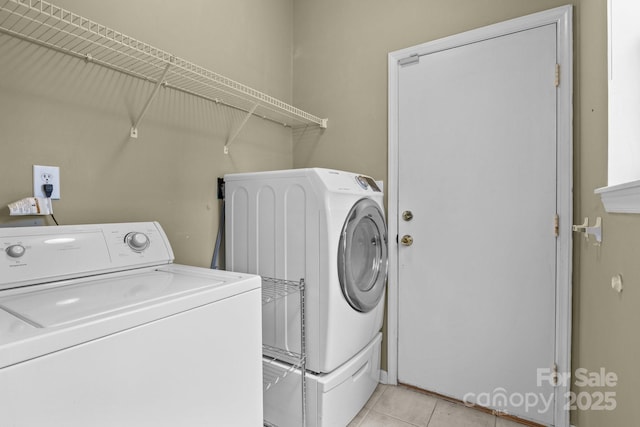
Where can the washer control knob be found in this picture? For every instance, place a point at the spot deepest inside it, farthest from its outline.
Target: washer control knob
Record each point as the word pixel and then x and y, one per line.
pixel 137 241
pixel 15 251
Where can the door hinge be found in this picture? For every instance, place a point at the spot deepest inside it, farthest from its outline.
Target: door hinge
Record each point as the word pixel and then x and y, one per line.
pixel 554 374
pixel 556 225
pixel 412 59
pixel 557 78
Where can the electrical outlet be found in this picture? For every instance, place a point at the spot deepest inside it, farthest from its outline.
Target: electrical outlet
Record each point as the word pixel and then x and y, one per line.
pixel 46 175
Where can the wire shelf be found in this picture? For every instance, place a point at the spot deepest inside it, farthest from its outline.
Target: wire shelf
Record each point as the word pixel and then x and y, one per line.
pixel 278 363
pixel 290 357
pixel 48 25
pixel 273 372
pixel 273 289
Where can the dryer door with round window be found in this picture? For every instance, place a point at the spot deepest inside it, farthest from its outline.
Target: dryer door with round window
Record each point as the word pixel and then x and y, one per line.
pixel 362 256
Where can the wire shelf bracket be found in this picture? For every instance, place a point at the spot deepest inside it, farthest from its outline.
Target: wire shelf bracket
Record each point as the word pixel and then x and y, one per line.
pixel 51 26
pixel 234 135
pixel 134 129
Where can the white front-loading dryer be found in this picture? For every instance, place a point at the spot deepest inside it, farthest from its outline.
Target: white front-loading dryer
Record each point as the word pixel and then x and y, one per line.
pixel 326 227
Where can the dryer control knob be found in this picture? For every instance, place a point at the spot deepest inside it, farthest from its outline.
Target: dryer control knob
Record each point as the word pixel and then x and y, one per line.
pixel 362 181
pixel 137 241
pixel 15 251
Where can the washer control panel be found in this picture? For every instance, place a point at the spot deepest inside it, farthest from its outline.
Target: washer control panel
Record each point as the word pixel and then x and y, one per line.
pixel 32 255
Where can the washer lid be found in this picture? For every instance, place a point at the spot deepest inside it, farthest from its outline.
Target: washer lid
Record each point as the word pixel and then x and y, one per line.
pixel 362 256
pixel 91 299
pixel 42 319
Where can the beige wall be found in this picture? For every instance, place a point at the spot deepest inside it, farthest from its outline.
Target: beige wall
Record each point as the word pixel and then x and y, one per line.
pixel 57 110
pixel 340 71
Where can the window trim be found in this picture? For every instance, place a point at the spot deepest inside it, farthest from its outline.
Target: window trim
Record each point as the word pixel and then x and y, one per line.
pixel 621 198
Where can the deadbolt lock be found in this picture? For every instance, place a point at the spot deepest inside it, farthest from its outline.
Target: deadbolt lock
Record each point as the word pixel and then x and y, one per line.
pixel 406 240
pixel 407 215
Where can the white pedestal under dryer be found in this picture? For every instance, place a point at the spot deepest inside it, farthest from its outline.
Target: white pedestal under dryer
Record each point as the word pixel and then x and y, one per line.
pixel 327 227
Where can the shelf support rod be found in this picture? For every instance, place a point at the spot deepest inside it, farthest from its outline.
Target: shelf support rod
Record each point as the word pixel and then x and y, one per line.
pixel 235 133
pixel 134 129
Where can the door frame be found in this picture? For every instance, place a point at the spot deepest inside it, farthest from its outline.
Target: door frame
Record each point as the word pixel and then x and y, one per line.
pixel 562 17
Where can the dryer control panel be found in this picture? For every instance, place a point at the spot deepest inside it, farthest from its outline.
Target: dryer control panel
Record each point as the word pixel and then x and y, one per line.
pixel 367 182
pixel 34 255
pixel 346 182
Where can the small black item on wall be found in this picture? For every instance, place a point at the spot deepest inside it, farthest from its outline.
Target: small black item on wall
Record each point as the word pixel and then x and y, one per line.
pixel 220 188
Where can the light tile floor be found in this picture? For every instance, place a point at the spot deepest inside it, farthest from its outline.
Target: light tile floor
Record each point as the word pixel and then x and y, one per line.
pixel 397 406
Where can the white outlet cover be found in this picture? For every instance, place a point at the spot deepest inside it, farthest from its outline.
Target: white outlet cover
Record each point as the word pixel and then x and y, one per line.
pixel 40 177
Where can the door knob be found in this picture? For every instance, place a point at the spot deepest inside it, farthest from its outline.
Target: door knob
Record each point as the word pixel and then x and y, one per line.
pixel 407 215
pixel 406 240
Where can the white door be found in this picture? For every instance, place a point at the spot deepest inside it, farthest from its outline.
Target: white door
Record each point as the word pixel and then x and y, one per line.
pixel 477 169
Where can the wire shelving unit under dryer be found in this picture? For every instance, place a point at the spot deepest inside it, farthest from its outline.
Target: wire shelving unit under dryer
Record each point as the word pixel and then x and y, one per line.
pixel 272 290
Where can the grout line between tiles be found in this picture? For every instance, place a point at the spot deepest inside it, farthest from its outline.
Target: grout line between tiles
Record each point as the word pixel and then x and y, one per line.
pixel 396 418
pixel 432 412
pixel 364 417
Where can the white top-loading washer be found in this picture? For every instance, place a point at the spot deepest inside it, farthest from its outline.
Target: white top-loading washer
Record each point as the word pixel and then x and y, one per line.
pixel 327 227
pixel 98 327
